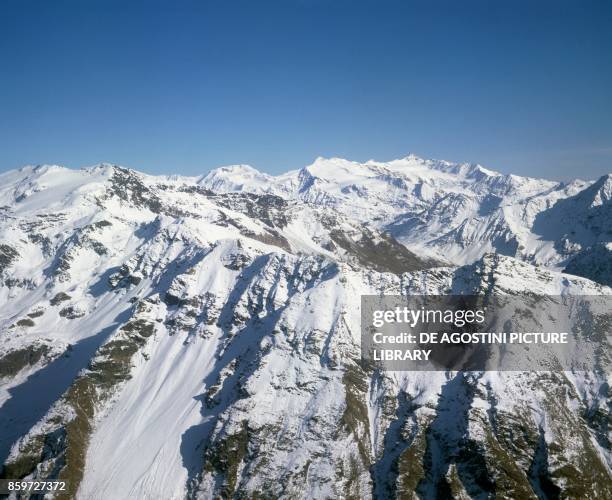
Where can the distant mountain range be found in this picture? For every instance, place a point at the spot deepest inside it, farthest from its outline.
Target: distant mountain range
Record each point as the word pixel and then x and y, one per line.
pixel 199 337
pixel 456 212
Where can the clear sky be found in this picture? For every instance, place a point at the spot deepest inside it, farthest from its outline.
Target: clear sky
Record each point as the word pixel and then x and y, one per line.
pixel 185 86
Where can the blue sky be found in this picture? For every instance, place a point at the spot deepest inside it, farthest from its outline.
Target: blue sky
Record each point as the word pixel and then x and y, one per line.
pixel 182 87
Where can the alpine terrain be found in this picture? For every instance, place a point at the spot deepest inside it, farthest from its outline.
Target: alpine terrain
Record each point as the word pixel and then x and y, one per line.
pixel 167 337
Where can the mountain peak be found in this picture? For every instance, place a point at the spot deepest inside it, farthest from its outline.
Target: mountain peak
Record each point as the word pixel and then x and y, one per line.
pixel 602 190
pixel 239 168
pixel 236 178
pixel 337 170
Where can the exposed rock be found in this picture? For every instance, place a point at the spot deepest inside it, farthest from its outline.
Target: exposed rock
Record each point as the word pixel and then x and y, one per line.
pixel 59 298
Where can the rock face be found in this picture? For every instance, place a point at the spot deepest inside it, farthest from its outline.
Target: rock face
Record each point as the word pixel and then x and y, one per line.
pixel 594 263
pixel 168 337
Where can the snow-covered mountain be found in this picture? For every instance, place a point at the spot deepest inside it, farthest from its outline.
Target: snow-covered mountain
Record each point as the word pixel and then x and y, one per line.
pixel 458 212
pixel 172 337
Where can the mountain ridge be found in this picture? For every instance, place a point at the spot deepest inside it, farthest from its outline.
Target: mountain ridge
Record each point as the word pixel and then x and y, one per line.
pixel 163 339
pixel 453 211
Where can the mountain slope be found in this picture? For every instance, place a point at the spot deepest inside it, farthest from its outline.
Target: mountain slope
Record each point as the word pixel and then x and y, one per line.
pixel 162 340
pixel 457 212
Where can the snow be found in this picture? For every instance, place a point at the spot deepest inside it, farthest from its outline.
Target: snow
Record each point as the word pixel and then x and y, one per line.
pixel 455 211
pixel 259 321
